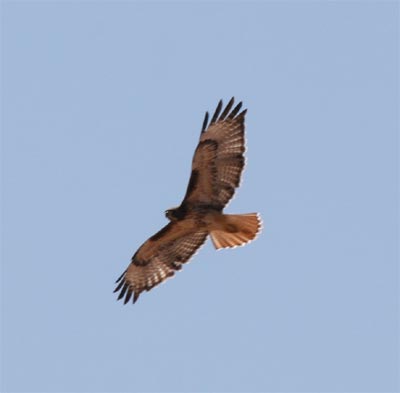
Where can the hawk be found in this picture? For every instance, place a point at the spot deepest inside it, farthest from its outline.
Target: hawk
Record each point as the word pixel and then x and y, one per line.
pixel 217 166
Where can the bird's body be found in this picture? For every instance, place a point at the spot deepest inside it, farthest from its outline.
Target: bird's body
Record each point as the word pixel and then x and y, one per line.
pixel 216 169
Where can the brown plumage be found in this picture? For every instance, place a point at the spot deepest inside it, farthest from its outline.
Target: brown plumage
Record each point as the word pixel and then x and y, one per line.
pixel 216 170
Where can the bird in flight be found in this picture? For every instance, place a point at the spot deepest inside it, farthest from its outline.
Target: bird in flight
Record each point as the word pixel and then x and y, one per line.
pixel 217 166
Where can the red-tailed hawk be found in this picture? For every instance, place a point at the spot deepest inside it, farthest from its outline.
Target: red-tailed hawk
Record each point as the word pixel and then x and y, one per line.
pixel 216 169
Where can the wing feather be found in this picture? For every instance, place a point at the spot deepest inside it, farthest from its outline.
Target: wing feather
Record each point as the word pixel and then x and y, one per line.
pixel 217 112
pixel 205 121
pixel 159 257
pixel 218 161
pixel 227 109
pixel 236 110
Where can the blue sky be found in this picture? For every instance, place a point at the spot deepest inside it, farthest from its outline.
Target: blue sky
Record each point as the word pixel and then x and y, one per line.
pixel 102 104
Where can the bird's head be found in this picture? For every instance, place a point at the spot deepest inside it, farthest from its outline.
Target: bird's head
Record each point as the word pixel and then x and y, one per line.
pixel 171 214
pixel 176 213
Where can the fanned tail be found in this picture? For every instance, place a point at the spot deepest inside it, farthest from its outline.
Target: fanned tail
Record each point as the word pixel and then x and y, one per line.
pixel 238 229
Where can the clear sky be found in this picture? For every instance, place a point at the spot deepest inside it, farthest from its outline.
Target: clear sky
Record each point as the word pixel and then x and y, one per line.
pixel 102 104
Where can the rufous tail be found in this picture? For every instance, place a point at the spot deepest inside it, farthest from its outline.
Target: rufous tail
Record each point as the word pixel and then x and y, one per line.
pixel 236 230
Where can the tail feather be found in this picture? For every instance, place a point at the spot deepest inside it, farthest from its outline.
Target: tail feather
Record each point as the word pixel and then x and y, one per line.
pixel 237 230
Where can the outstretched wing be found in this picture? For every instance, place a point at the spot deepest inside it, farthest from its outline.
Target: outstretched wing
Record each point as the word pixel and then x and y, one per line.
pixel 159 257
pixel 219 158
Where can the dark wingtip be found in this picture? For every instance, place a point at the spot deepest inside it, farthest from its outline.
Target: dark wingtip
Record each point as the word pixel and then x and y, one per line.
pixel 122 293
pixel 205 121
pixel 128 296
pixel 235 110
pixel 226 114
pixel 217 112
pixel 119 286
pixel 227 109
pixel 136 297
pixel 242 113
pixel 120 277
